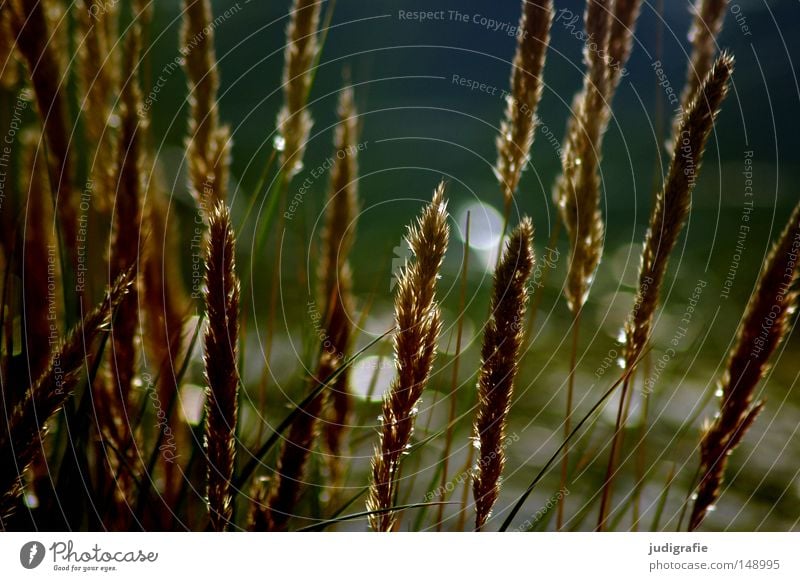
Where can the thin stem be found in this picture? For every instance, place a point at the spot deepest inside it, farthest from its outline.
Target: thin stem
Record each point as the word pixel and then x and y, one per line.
pixel 585 418
pixel 276 273
pixel 662 501
pixel 573 361
pixel 612 458
pixel 688 499
pixel 462 513
pixel 360 515
pixel 448 442
pixel 256 459
pixel 641 456
pixel 273 300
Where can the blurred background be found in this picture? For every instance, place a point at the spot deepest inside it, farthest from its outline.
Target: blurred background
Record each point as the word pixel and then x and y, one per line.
pixel 421 124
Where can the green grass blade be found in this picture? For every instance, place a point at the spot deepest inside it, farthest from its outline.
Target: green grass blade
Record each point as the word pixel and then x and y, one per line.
pixel 251 466
pixel 320 526
pixel 662 500
pixel 521 501
pixel 151 463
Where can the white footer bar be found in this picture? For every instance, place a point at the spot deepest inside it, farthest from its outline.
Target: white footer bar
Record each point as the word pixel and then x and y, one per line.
pixel 403 556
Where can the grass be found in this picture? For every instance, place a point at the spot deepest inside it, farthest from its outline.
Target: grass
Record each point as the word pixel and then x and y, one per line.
pixel 120 401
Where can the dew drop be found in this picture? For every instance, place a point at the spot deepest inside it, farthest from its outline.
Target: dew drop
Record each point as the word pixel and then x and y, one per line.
pixel 31 500
pixel 113 121
pixel 279 143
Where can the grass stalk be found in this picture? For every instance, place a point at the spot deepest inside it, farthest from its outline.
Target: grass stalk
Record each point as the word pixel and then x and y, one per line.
pixel 568 416
pixel 448 440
